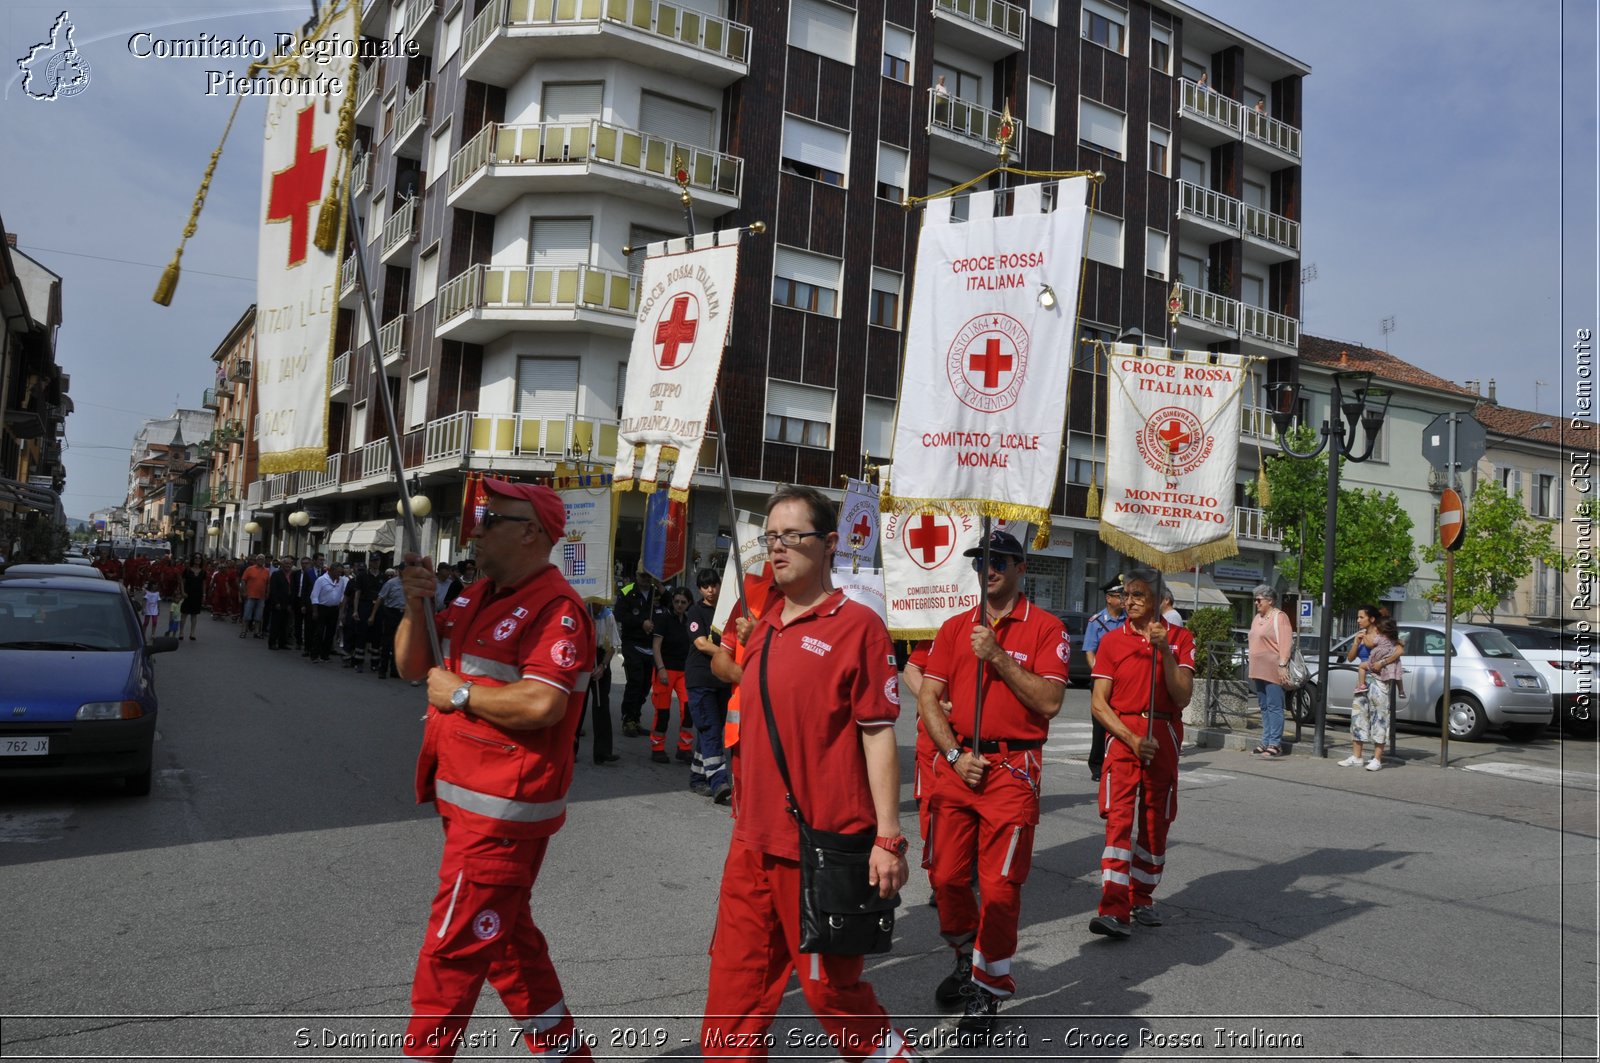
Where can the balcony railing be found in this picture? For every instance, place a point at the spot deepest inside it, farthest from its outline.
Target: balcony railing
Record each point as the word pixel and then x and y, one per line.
pixel 1197 201
pixel 970 120
pixel 318 481
pixel 392 338
pixel 1207 103
pixel 591 142
pixel 1268 130
pixel 347 274
pixel 412 112
pixel 508 435
pixel 1274 328
pixel 539 288
pixel 1008 20
pixel 401 226
pixel 367 81
pixel 1273 228
pixel 208 398
pixel 1252 524
pixel 339 375
pixel 718 37
pixel 361 173
pixel 417 13
pixel 372 459
pixel 1216 310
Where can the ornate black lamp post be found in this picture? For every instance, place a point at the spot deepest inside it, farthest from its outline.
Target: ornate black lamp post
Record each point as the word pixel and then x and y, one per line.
pixel 1364 408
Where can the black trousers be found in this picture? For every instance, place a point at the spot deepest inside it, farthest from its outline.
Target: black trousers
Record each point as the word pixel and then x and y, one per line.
pixel 324 624
pixel 639 668
pixel 1097 749
pixel 280 621
pixel 388 624
pixel 597 708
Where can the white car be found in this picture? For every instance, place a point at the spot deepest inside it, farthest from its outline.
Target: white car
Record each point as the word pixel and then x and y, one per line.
pixel 1568 672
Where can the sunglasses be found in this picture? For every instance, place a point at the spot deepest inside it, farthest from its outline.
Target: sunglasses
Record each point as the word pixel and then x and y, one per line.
pixel 998 564
pixel 491 519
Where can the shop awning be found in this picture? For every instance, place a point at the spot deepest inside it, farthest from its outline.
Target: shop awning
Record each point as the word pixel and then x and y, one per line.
pixel 1183 591
pixel 360 537
pixel 28 496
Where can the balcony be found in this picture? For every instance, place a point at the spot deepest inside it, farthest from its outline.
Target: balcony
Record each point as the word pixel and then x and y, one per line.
pixel 1270 232
pixel 349 297
pixel 487 302
pixel 369 82
pixel 1216 119
pixel 1277 237
pixel 508 38
pixel 339 378
pixel 361 174
pixel 1219 317
pixel 1208 311
pixel 392 345
pixel 1272 329
pixel 1280 141
pixel 316 482
pixel 372 461
pixel 992 29
pixel 411 123
pixel 1252 524
pixel 399 231
pixel 419 23
pixel 502 163
pixel 208 399
pixel 967 132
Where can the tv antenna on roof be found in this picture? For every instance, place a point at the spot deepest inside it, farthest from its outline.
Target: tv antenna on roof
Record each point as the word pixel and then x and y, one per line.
pixel 1386 326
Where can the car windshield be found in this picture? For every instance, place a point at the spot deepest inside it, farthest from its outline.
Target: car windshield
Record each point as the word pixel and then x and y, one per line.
pixel 45 618
pixel 1492 644
pixel 1527 638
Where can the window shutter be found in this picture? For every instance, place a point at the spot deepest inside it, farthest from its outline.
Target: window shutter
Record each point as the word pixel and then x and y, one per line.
pixel 893 166
pixel 823 29
pixel 897 42
pixel 1100 125
pixel 877 428
pixel 559 242
pixel 640 239
pixel 573 102
pixel 808 268
pixel 547 388
pixel 1105 239
pixel 417 401
pixel 797 400
pixel 674 120
pixel 815 145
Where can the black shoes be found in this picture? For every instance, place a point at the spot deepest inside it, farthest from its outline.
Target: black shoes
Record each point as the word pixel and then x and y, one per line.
pixel 957 983
pixel 701 787
pixel 723 795
pixel 607 758
pixel 659 756
pixel 630 729
pixel 686 756
pixel 1109 927
pixel 1146 915
pixel 978 1018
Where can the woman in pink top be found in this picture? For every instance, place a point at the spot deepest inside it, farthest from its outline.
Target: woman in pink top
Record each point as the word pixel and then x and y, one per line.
pixel 1270 636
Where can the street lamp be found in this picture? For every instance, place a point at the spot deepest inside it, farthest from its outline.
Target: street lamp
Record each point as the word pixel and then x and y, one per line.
pixel 1364 408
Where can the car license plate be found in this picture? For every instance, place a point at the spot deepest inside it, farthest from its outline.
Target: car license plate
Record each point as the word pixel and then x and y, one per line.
pixel 28 746
pixel 1527 681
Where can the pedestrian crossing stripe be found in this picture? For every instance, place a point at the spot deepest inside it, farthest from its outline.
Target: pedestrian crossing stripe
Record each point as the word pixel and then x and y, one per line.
pixel 1540 774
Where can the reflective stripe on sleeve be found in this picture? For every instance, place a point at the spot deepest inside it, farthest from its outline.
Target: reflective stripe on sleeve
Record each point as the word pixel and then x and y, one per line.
pixel 498 807
pixel 475 667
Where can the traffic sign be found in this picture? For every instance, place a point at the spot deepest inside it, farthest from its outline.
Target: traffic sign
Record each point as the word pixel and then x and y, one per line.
pixel 1305 614
pixel 1452 520
pixel 1470 441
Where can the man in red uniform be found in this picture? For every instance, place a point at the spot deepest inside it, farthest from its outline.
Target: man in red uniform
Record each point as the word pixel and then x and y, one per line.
pixel 834 697
pixel 496 760
pixel 985 800
pixel 1143 679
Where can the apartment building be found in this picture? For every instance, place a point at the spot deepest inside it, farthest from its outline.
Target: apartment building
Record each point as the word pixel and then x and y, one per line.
pixel 34 401
pixel 514 170
pixel 231 492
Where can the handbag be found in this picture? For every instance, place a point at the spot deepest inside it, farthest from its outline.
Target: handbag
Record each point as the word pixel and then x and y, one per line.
pixel 1295 673
pixel 841 913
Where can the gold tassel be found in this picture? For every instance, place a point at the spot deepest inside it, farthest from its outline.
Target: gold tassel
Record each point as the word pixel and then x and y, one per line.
pixel 328 220
pixel 1263 489
pixel 168 284
pixel 1091 506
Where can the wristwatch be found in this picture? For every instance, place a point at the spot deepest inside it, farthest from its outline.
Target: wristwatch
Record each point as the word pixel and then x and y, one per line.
pixel 952 755
pixel 459 696
pixel 896 845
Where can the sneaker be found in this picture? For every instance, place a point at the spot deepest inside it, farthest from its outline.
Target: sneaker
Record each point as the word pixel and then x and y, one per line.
pixel 978 1017
pixel 1146 915
pixel 1352 761
pixel 686 756
pixel 630 729
pixel 723 795
pixel 1111 927
pixel 658 756
pixel 957 983
pixel 1374 764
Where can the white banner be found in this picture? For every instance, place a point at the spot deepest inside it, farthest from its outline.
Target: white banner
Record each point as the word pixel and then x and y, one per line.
pixel 685 308
pixel 297 298
pixel 858 525
pixel 982 412
pixel 926 578
pixel 748 529
pixel 584 553
pixel 1172 452
pixel 865 586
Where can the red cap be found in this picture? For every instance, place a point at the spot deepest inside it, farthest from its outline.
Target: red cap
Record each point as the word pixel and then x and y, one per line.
pixel 547 505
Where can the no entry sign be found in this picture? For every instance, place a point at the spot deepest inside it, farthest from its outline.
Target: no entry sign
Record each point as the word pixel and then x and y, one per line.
pixel 1452 520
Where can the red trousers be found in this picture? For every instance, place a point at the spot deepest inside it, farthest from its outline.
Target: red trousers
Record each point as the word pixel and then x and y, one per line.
pixel 661 699
pixel 927 758
pixel 991 827
pixel 754 948
pixel 481 927
pixel 1145 795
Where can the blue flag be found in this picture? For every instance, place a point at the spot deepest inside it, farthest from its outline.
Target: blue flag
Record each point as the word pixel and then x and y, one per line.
pixel 663 536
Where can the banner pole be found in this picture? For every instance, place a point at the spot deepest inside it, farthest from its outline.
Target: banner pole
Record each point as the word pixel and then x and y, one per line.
pixel 413 537
pixel 983 617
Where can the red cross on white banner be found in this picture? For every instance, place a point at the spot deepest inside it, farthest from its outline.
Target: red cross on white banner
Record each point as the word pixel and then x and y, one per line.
pixel 991 363
pixel 928 537
pixel 298 186
pixel 675 330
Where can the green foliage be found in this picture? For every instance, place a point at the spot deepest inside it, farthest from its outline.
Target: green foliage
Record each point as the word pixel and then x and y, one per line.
pixel 1213 642
pixel 1584 564
pixel 1497 552
pixel 1373 546
pixel 33 538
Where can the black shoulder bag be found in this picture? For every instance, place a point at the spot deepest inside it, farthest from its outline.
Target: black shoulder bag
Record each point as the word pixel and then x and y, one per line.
pixel 841 913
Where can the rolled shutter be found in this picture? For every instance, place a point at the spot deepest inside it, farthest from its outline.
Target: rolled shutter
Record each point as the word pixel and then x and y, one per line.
pixel 547 388
pixel 674 120
pixel 815 145
pixel 808 268
pixel 559 242
pixel 797 400
pixel 573 102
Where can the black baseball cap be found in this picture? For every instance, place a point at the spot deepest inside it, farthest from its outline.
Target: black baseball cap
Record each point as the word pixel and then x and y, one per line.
pixel 1001 544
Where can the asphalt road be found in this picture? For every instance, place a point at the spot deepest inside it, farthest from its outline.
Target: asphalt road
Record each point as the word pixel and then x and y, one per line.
pixel 267 900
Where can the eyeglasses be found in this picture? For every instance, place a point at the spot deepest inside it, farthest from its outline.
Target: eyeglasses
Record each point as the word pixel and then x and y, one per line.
pixel 999 564
pixel 790 538
pixel 1138 596
pixel 491 519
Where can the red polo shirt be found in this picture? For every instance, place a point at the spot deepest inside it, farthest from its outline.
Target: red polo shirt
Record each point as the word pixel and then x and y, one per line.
pixel 1034 638
pixel 831 673
pixel 1124 658
pixel 496 781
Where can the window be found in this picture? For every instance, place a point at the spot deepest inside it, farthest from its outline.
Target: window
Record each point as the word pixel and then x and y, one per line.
pixel 1104 25
pixel 1079 471
pixel 1544 495
pixel 1161 49
pixel 1193 71
pixel 452 36
pixel 358 426
pixel 1160 143
pixel 622 385
pixel 1155 254
pixel 885 307
pixel 823 28
pixel 799 414
pixel 1101 127
pixel 893 166
pixel 547 388
pixel 1192 270
pixel 806 281
pixel 558 241
pixel 897 52
pixel 1105 239
pixel 438 154
pixel 815 151
pixel 417 402
pixel 877 428
pixel 1254 290
pixel 1086 357
pixel 958 204
pixel 1045 11
pixel 959 83
pixel 1253 97
pixel 427 276
pixel 1255 194
pixel 1041 106
pixel 640 238
pixel 677 121
pixel 572 102
pixel 1192 169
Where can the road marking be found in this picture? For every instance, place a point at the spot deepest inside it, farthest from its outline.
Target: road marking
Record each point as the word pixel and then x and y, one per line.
pixel 31 828
pixel 1580 780
pixel 1196 779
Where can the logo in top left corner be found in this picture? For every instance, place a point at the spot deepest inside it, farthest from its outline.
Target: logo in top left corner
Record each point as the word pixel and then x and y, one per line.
pixel 54 68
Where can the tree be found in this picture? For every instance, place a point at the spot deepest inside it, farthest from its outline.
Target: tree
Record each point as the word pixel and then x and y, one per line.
pixel 1497 552
pixel 1373 545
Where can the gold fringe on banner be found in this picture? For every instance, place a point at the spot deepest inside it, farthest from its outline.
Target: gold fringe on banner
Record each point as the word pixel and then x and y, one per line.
pixel 912 634
pixel 292 460
pixel 968 507
pixel 1201 554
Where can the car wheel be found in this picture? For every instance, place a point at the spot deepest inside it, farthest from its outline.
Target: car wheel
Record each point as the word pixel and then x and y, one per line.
pixel 1467 718
pixel 1522 732
pixel 138 785
pixel 1303 704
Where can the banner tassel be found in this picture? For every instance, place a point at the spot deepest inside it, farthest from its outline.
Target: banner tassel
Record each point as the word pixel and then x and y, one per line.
pixel 1091 506
pixel 328 220
pixel 168 284
pixel 1263 490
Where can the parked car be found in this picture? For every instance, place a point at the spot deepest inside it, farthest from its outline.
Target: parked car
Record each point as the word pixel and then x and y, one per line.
pixel 1568 672
pixel 1491 684
pixel 1078 663
pixel 76 681
pixel 84 570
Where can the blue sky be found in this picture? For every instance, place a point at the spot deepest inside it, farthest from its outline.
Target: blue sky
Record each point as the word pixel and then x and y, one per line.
pixel 1450 154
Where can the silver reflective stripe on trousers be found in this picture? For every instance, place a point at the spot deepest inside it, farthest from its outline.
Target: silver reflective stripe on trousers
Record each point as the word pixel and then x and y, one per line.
pixel 548 1021
pixel 498 807
pixel 444 924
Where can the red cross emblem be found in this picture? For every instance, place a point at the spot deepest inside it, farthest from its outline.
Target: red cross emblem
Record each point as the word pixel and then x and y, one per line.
pixel 987 362
pixel 678 327
pixel 991 363
pixel 1174 442
pixel 1175 436
pixel 929 537
pixel 296 187
pixel 861 528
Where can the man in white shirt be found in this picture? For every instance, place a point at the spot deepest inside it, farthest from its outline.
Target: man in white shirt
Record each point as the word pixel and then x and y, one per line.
pixel 327 598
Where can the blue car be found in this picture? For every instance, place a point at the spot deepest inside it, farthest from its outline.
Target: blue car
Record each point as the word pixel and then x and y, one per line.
pixel 77 687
